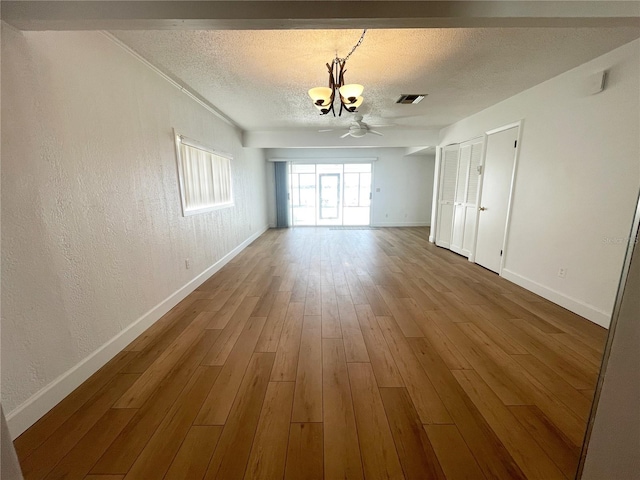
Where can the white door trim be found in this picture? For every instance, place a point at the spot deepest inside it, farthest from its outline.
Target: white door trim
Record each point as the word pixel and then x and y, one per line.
pixel 436 196
pixel 504 127
pixel 507 227
pixel 519 124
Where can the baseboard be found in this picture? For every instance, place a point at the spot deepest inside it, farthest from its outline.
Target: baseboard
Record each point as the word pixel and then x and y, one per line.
pixel 32 409
pixel 401 224
pixel 432 239
pixel 583 309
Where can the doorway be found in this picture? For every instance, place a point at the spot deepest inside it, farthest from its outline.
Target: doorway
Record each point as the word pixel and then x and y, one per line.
pixel 498 172
pixel 331 194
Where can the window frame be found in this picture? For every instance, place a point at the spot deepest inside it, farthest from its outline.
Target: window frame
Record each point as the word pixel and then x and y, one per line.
pixel 179 140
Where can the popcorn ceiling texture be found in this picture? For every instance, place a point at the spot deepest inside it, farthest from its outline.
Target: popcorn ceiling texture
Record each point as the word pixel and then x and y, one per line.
pixel 260 78
pixel 92 231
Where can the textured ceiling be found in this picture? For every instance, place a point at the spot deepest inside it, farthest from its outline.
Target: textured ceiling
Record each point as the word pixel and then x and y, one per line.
pixel 260 78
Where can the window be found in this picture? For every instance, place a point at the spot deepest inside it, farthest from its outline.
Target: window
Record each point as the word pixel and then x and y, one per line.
pixel 204 176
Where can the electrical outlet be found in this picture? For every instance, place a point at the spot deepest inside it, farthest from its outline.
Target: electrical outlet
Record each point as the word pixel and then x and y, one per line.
pixel 187 264
pixel 562 272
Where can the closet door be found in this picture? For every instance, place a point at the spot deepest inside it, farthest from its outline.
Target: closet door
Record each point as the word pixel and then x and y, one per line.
pixel 447 193
pixel 472 196
pixel 466 199
pixel 459 210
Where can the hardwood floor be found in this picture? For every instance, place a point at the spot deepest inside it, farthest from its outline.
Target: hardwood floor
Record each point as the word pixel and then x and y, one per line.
pixel 336 354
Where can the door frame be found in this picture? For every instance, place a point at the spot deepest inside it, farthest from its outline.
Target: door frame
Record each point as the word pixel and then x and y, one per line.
pixel 433 229
pixel 331 161
pixel 505 240
pixel 339 196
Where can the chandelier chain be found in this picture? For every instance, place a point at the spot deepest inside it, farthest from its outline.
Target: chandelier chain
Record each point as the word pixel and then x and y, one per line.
pixel 350 95
pixel 354 47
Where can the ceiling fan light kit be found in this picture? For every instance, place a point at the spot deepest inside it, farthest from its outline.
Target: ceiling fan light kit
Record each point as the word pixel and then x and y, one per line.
pixel 350 94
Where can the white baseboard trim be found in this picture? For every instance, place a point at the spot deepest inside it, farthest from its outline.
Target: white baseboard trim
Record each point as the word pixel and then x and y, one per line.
pixel 583 309
pixel 400 224
pixel 32 409
pixel 432 239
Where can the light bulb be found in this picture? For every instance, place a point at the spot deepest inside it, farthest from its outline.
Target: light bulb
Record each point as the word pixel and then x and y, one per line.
pixel 320 95
pixel 324 109
pixel 352 107
pixel 351 92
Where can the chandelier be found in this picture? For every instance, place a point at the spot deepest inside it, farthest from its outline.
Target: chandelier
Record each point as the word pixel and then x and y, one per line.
pixel 350 94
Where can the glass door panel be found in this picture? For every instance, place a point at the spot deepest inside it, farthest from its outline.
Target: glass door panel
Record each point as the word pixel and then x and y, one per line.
pixel 357 194
pixel 329 198
pixel 303 194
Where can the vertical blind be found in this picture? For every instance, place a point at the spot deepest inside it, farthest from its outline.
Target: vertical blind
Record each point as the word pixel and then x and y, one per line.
pixel 206 179
pixel 282 194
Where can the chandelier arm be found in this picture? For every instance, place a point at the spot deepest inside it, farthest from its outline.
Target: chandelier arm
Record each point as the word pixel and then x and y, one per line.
pixel 336 79
pixel 342 64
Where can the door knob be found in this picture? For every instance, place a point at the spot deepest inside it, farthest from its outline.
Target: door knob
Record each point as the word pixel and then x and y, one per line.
pixel 482 209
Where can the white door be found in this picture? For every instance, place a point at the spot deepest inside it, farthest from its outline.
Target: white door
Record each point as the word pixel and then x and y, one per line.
pixel 471 199
pixel 466 198
pixel 448 177
pixel 494 200
pixel 457 233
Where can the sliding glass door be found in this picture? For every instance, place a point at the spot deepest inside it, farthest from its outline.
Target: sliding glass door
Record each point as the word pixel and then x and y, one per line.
pixel 303 194
pixel 331 194
pixel 357 194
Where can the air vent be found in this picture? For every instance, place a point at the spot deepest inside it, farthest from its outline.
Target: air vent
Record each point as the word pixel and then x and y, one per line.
pixel 411 98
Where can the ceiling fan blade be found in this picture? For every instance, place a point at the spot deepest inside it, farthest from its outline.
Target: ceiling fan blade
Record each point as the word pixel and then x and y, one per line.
pixel 325 130
pixel 376 133
pixel 346 135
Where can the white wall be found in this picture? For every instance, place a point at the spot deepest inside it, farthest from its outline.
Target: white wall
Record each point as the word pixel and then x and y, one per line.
pixel 613 448
pixel 92 232
pixel 405 182
pixel 577 181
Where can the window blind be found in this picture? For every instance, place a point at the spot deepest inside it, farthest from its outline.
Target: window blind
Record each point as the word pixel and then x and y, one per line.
pixel 205 178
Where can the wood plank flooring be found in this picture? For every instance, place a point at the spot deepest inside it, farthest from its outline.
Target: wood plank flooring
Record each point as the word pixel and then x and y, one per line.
pixel 336 354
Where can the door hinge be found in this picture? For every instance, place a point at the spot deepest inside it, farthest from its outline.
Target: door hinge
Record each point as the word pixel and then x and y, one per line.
pixel 515 144
pixel 288 196
pixel 369 195
pixel 500 252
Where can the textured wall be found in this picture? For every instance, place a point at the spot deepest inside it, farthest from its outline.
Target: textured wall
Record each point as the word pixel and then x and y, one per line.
pixel 577 180
pixel 92 231
pixel 405 182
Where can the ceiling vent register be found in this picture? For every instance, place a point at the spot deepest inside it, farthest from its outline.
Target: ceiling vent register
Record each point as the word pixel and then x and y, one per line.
pixel 411 98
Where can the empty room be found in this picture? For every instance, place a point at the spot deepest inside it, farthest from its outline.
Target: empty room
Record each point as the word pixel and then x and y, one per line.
pixel 320 240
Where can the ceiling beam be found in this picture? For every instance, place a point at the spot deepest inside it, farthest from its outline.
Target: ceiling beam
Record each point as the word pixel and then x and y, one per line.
pixel 393 137
pixel 251 15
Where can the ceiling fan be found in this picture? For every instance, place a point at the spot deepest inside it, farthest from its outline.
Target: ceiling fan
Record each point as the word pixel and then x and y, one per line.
pixel 358 128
